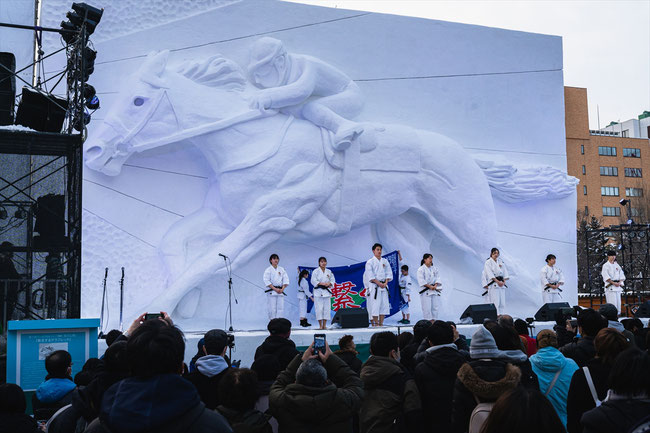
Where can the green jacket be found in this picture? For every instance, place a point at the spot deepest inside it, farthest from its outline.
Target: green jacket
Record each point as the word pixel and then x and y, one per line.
pixel 392 402
pixel 299 408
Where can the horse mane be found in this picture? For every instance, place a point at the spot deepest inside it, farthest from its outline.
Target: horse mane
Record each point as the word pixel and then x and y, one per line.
pixel 215 71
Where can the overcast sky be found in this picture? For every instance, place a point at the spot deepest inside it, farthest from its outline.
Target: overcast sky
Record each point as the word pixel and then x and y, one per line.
pixel 606 43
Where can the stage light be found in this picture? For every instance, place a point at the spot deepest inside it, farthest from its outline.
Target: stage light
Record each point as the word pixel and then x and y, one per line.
pixel 89 55
pixel 19 214
pixel 93 103
pixel 3 214
pixel 67 36
pixel 89 92
pixel 78 125
pixel 90 12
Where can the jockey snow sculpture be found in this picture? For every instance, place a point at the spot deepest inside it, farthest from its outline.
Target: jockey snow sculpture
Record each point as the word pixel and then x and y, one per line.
pixel 319 192
pixel 291 79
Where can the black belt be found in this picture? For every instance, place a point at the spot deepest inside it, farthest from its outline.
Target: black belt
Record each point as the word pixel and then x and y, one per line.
pixel 323 288
pixel 377 287
pixel 277 287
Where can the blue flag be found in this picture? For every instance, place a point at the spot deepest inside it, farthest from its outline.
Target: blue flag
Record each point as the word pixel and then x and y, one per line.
pixel 348 292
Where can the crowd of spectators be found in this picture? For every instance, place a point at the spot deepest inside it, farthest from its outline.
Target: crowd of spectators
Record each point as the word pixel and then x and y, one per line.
pixel 590 376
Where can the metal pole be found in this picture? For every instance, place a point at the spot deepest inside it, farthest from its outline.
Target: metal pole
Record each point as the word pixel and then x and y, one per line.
pixel 121 298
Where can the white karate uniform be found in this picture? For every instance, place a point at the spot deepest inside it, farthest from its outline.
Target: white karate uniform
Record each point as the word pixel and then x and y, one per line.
pixel 378 270
pixel 612 271
pixel 322 303
pixel 405 288
pixel 549 275
pixel 303 295
pixel 430 299
pixel 496 295
pixel 275 301
pixel 366 286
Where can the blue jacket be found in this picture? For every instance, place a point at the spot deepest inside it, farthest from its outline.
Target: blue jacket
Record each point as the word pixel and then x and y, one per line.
pixel 53 390
pixel 546 363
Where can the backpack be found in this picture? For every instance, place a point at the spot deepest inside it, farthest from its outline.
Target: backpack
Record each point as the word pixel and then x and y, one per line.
pixel 479 415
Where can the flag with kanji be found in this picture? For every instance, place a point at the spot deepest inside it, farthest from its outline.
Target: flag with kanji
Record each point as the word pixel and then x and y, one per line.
pixel 349 290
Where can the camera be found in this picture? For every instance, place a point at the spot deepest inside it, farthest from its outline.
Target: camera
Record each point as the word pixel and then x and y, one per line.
pixel 231 341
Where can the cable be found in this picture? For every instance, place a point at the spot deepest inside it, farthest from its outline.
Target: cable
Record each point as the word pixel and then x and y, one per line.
pixel 481 74
pixel 119 228
pixel 165 171
pixel 535 237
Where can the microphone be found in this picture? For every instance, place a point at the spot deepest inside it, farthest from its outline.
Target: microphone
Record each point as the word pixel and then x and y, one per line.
pixel 223 255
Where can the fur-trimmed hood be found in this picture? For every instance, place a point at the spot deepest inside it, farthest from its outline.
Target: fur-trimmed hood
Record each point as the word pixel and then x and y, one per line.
pixel 485 389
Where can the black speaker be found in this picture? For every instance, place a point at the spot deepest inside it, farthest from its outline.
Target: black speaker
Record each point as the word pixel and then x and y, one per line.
pixel 40 112
pixel 49 213
pixel 351 318
pixel 548 311
pixel 643 310
pixel 480 312
pixel 7 88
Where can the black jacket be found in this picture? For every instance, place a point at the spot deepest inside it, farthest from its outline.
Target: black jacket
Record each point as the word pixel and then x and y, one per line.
pixel 209 371
pixel 435 377
pixel 283 348
pixel 579 399
pixel 251 421
pixel 485 379
pixel 615 416
pixel 581 350
pixel 564 337
pixel 17 423
pixel 408 354
pixel 166 403
pixel 350 358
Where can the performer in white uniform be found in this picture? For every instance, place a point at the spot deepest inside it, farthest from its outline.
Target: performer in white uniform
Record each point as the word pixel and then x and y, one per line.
pixel 613 277
pixel 430 288
pixel 405 287
pixel 551 278
pixel 303 295
pixel 494 279
pixel 275 280
pixel 323 281
pixel 379 274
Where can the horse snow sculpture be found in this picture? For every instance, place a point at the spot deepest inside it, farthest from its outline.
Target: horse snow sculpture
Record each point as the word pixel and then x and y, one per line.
pixel 296 185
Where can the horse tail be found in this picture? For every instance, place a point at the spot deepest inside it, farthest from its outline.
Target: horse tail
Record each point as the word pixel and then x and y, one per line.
pixel 516 185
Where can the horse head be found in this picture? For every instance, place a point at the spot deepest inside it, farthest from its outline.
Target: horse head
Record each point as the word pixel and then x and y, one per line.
pixel 158 102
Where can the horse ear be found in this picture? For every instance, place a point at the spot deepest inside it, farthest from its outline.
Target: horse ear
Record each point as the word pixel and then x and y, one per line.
pixel 154 66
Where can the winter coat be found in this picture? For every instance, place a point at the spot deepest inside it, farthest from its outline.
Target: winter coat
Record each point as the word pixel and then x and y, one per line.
pixel 487 380
pixel 615 416
pixel 461 343
pixel 251 421
pixel 579 399
pixel 391 397
pixel 530 344
pixel 581 350
pixel 435 377
pixel 283 348
pixel 519 359
pixel 301 408
pixel 546 363
pixel 165 403
pixel 209 371
pixel 18 423
pixel 408 354
pixel 350 358
pixel 50 396
pixel 85 404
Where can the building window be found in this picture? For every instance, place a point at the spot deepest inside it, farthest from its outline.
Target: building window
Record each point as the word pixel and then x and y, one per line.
pixel 631 152
pixel 586 210
pixel 609 171
pixel 634 192
pixel 606 151
pixel 632 172
pixel 635 212
pixel 582 149
pixel 611 211
pixel 584 170
pixel 609 190
pixel 625 133
pixel 584 189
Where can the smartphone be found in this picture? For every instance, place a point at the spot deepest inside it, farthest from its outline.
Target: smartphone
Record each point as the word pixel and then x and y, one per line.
pixel 319 343
pixel 152 316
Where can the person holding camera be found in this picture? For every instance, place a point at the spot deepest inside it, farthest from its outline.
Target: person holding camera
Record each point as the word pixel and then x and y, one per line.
pixel 323 281
pixel 211 367
pixel 317 392
pixel 551 278
pixel 494 279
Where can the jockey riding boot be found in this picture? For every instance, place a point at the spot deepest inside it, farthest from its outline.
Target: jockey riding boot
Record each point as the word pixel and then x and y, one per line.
pixel 346 134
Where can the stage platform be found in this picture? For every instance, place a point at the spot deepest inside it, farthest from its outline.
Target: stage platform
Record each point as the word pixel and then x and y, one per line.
pixel 247 341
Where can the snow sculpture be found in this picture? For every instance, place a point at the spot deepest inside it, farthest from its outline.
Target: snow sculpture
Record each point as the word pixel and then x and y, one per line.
pixel 307 171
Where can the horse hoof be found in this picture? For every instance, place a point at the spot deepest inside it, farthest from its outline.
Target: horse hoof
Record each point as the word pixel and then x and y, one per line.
pixel 186 307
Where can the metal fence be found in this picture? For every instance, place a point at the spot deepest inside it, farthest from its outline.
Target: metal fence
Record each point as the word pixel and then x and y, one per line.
pixel 33 299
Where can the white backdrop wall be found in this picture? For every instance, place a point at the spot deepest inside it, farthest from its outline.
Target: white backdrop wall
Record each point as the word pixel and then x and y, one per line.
pixel 498 93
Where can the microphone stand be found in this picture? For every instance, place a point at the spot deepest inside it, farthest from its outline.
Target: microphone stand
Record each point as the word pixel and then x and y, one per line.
pixel 121 297
pixel 101 315
pixel 229 270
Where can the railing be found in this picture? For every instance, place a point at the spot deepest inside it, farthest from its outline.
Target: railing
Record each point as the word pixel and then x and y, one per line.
pixel 33 299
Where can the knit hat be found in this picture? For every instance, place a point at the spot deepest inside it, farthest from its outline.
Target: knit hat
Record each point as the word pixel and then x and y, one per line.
pixel 483 345
pixel 546 338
